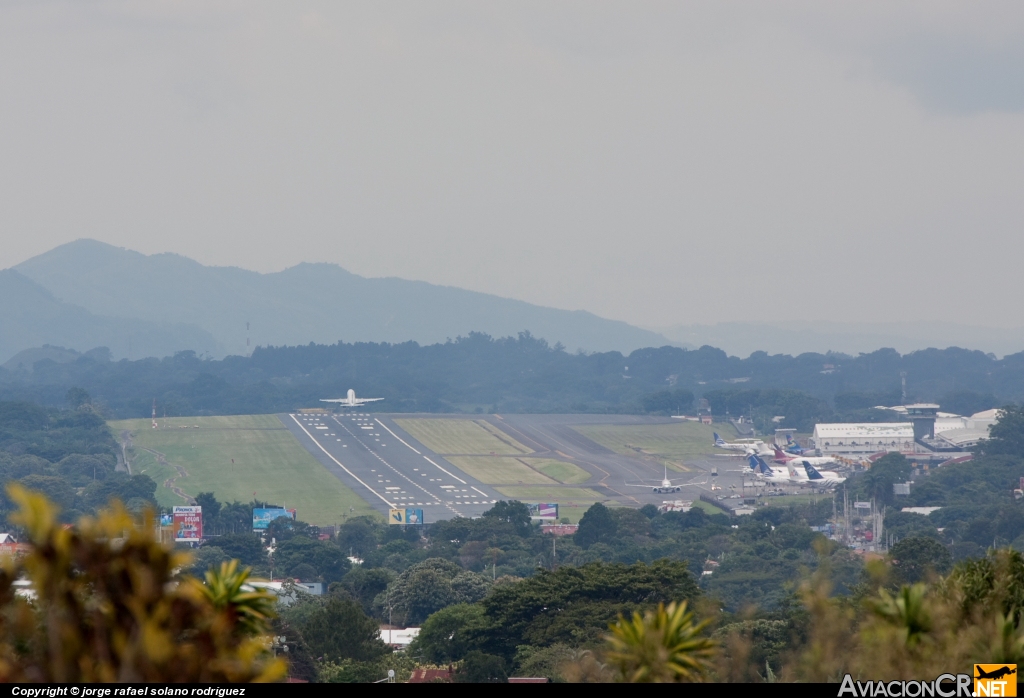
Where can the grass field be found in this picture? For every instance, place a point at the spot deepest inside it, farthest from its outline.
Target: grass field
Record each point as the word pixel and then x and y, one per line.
pixel 566 473
pixel 673 443
pixel 707 507
pixel 462 436
pixel 268 460
pixel 499 471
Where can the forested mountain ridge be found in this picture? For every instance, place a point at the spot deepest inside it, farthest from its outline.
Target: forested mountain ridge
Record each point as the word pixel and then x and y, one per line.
pixel 30 316
pixel 306 303
pixel 526 374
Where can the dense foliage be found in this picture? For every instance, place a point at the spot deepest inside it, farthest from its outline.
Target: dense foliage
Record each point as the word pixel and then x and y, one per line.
pixel 106 611
pixel 68 455
pixel 525 374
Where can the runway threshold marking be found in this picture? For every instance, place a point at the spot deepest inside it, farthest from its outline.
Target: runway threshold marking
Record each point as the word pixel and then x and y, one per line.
pixel 397 437
pixel 354 476
pixel 399 472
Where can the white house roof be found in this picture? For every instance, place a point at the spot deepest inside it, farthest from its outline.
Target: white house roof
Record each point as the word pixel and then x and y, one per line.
pixel 880 430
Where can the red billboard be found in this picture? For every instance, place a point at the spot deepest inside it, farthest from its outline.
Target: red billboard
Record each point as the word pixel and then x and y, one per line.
pixel 188 524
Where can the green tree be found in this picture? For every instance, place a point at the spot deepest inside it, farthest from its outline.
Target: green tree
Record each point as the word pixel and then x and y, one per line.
pixel 575 605
pixel 211 508
pixel 364 584
pixel 1006 436
pixel 513 512
pixel 243 546
pixel 427 587
pixel 597 526
pixel 340 630
pixel 358 536
pixel 668 402
pixel 329 563
pixel 877 482
pixel 914 559
pixel 479 667
pixel 77 397
pixel 449 634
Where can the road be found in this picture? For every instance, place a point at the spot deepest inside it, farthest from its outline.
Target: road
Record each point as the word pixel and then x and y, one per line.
pixel 387 467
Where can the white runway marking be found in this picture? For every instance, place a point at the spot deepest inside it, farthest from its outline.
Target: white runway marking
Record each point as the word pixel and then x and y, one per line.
pixel 354 476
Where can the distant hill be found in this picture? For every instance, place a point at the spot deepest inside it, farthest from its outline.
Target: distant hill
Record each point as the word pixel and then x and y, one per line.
pixel 320 303
pixel 30 316
pixel 796 336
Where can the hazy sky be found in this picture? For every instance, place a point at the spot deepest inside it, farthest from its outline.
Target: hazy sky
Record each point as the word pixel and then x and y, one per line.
pixel 655 162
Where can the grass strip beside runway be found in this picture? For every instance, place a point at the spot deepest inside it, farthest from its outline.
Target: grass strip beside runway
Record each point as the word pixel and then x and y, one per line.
pixel 268 460
pixel 563 472
pixel 673 443
pixel 461 436
pixel 499 471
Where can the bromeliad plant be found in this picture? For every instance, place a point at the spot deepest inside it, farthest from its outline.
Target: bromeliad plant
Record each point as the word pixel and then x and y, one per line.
pixel 106 604
pixel 663 645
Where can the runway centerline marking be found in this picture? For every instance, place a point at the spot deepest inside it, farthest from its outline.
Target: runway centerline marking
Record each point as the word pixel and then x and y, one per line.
pixel 399 472
pixel 354 476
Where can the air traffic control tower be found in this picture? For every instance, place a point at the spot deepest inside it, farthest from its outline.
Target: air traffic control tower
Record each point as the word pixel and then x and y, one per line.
pixel 923 417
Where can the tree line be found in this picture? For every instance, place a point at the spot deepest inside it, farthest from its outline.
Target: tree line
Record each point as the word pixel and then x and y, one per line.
pixel 523 374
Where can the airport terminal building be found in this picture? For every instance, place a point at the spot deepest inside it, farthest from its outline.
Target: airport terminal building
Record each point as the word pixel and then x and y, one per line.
pixel 863 440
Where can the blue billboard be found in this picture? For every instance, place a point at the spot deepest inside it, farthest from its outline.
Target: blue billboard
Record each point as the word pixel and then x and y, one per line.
pixel 261 518
pixel 405 516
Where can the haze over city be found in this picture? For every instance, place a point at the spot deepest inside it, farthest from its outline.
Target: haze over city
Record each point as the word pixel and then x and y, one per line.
pixel 655 163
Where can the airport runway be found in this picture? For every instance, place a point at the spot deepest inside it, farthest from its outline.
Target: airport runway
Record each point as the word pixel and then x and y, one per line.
pixel 616 475
pixel 381 462
pixel 387 467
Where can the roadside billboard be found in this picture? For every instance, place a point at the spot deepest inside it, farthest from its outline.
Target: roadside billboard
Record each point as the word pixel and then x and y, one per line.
pixel 188 524
pixel 543 511
pixel 405 516
pixel 261 518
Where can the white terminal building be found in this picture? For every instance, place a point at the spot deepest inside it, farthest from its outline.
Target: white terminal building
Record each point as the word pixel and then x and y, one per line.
pixel 862 440
pixel 925 425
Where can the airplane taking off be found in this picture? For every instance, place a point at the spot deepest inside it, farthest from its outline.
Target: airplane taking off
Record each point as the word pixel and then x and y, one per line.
pixel 667 486
pixel 351 400
pixel 783 457
pixel 755 446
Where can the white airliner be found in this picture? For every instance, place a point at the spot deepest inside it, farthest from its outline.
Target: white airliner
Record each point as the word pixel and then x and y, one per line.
pixel 351 400
pixel 808 475
pixel 667 486
pixel 783 458
pixel 752 446
pixel 811 476
pixel 763 470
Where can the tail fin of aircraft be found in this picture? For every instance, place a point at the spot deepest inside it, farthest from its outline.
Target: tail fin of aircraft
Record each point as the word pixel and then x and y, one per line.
pixel 766 469
pixel 718 440
pixel 755 462
pixel 812 473
pixel 789 439
pixel 779 453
